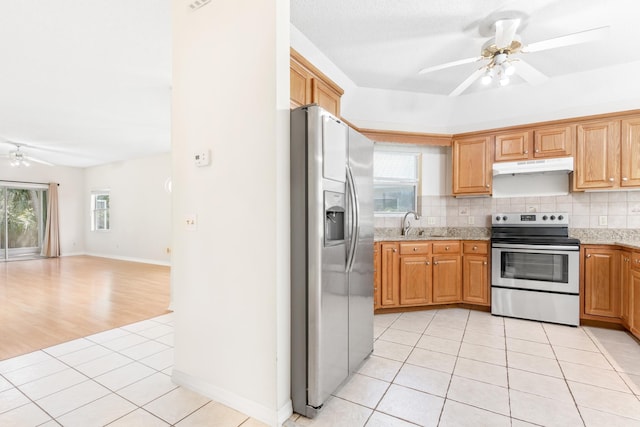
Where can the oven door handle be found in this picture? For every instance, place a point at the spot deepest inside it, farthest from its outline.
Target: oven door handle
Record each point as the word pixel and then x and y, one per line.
pixel 535 247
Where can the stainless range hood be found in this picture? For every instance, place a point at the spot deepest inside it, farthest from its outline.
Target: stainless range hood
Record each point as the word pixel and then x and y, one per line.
pixel 563 165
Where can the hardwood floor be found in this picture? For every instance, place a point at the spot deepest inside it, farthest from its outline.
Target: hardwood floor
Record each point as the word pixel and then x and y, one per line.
pixel 49 301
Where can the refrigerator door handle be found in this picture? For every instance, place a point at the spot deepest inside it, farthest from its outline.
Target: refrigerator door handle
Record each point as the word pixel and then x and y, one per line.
pixel 355 223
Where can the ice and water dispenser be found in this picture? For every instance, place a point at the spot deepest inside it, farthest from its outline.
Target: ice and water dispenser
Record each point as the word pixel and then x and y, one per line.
pixel 334 210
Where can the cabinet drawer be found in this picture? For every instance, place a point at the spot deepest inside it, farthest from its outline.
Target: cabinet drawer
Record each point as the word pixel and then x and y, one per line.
pixel 414 248
pixel 635 260
pixel 446 248
pixel 475 248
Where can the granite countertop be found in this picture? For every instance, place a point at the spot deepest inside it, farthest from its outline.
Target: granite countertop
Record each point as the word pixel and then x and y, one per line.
pixel 439 233
pixel 628 237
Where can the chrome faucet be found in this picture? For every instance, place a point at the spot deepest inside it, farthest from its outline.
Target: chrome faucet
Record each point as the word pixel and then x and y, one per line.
pixel 406 225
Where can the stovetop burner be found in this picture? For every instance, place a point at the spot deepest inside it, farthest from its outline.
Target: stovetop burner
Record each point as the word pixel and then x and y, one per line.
pixel 548 228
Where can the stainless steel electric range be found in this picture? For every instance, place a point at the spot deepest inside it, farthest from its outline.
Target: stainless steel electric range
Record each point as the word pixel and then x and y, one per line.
pixel 535 268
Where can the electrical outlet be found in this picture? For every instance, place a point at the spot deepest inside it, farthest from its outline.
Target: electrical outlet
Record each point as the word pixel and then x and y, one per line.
pixel 471 220
pixel 602 220
pixel 463 211
pixel 431 220
pixel 190 222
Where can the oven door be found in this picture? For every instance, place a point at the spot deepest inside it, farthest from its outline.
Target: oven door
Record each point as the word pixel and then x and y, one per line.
pixel 535 267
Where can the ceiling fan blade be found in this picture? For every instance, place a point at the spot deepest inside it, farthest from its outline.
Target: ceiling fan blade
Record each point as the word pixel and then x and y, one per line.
pixel 505 32
pixel 568 40
pixel 529 73
pixel 31 159
pixel 469 80
pixel 449 65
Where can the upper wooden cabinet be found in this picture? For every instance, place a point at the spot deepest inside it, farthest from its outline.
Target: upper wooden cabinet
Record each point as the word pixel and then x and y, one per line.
pixel 597 155
pixel 539 143
pixel 511 147
pixel 309 85
pixel 472 165
pixel 630 153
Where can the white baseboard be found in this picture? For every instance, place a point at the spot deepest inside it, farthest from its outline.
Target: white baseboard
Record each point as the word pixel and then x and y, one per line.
pixel 239 403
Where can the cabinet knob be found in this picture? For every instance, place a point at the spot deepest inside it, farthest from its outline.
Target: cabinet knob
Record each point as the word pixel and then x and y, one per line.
pixel 415 249
pixel 475 248
pixel 435 262
pixel 624 178
pixel 427 262
pixel 611 179
pixel 394 250
pixel 588 255
pixel 484 262
pixel 526 151
pixel 487 185
pixel 537 151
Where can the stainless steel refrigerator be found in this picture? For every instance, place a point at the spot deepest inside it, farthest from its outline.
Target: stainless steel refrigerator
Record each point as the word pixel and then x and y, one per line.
pixel 331 255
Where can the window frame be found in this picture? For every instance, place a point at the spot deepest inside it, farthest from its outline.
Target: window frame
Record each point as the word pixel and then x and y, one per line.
pixel 415 183
pixel 106 222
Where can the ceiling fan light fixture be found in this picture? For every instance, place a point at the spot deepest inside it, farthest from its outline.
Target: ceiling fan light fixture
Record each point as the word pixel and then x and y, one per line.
pixel 487 77
pixel 508 69
pixel 504 80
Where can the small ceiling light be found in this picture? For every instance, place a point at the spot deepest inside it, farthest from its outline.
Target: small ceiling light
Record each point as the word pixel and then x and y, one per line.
pixel 508 68
pixel 487 77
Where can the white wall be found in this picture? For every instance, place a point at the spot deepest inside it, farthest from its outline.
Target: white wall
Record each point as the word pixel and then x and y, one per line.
pixel 140 210
pixel 230 275
pixel 71 211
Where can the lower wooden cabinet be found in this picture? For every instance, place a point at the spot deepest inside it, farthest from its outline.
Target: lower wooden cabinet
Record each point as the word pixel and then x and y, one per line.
pixel 447 279
pixel 389 274
pixel 602 282
pixel 634 309
pixel 376 275
pixel 415 279
pixel 417 273
pixel 625 287
pixel 475 273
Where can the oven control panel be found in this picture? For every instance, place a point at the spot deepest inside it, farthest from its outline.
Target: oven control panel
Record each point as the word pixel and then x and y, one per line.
pixel 530 218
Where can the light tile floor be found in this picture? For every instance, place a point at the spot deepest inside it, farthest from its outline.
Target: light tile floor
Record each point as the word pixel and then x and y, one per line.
pixel 118 378
pixel 451 367
pixel 456 367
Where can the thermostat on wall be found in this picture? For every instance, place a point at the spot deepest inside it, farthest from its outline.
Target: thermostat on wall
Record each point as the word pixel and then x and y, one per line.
pixel 202 158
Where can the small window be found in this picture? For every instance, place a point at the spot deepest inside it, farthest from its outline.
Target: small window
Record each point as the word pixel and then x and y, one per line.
pixel 396 181
pixel 100 211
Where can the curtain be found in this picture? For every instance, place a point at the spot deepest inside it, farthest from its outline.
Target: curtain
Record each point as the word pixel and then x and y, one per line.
pixel 51 243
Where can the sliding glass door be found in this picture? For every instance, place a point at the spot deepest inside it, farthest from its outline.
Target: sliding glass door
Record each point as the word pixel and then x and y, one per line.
pixel 22 215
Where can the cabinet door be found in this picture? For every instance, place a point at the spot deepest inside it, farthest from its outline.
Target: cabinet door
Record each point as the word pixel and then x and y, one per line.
pixel 472 165
pixel 597 151
pixel 326 97
pixel 447 279
pixel 390 274
pixel 415 280
pixel 299 85
pixel 601 283
pixel 625 279
pixel 553 142
pixel 376 275
pixel 634 309
pixel 475 279
pixel 511 147
pixel 630 153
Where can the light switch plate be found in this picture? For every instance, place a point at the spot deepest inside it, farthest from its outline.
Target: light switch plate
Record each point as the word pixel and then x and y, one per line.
pixel 602 220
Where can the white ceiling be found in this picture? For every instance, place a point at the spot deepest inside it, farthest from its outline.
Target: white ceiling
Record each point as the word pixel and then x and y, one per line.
pixel 87 82
pixel 385 44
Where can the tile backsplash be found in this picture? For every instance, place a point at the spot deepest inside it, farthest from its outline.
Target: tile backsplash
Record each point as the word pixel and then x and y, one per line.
pixel 595 210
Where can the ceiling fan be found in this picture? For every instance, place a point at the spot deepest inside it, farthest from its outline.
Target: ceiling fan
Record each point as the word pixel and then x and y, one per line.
pixel 19 158
pixel 501 52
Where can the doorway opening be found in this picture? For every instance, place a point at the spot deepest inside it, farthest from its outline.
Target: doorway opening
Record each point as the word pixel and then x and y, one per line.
pixel 23 211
